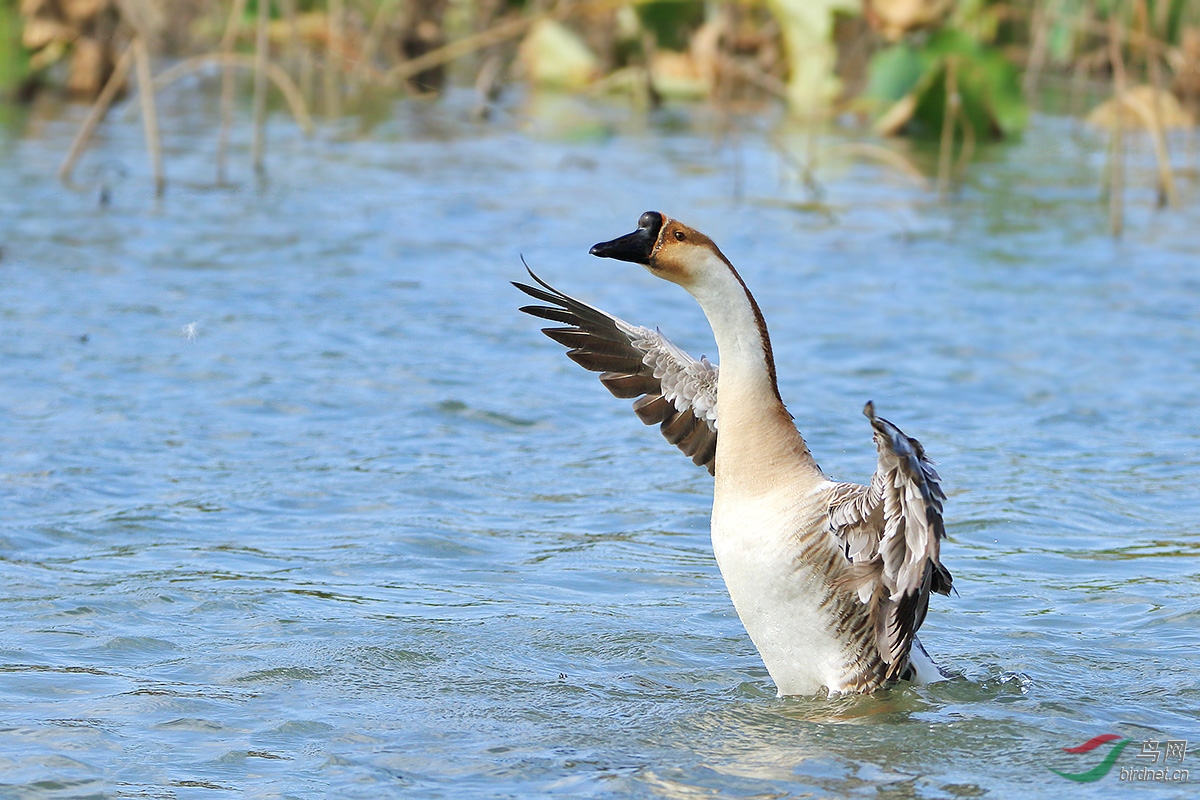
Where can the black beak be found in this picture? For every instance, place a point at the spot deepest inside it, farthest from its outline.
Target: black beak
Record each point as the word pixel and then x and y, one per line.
pixel 634 247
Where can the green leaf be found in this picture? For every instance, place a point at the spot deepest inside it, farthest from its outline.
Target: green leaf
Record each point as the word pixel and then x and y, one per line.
pixel 14 61
pixel 988 86
pixel 893 73
pixel 671 20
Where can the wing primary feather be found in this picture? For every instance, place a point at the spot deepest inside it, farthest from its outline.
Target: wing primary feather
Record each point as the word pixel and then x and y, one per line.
pixel 601 362
pixel 652 409
pixel 548 313
pixel 671 388
pixel 890 532
pixel 627 386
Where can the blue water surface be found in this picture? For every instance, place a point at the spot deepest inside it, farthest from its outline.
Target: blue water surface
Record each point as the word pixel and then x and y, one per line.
pixel 297 504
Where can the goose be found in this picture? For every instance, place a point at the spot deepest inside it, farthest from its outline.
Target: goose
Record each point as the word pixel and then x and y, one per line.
pixel 831 580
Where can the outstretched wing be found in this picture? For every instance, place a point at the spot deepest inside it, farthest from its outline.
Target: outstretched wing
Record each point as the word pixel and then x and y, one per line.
pixel 673 389
pixel 892 531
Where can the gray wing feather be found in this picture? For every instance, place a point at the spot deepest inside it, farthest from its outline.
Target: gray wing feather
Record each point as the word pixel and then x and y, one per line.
pixel 892 531
pixel 674 390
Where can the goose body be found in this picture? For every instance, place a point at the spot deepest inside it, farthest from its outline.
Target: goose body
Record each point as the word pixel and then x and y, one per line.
pixel 831 580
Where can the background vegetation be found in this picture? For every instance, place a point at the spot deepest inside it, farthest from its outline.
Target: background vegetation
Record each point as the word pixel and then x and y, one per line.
pixel 956 72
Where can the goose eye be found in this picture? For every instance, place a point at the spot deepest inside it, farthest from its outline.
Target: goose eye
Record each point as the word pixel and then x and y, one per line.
pixel 679 236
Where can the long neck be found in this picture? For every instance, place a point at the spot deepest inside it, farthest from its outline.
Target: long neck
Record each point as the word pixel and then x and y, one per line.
pixel 756 436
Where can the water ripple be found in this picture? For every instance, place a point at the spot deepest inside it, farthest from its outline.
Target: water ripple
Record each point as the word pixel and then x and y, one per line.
pixel 298 504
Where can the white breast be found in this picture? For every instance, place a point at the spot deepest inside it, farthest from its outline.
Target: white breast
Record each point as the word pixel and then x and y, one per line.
pixel 778 593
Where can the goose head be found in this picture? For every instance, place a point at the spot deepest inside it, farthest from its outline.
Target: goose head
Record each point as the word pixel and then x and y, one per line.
pixel 668 249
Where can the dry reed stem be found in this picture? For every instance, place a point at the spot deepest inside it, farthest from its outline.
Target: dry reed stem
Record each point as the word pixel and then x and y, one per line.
pixel 807 169
pixel 333 58
pixel 261 51
pixel 383 16
pixel 811 156
pixel 508 29
pixel 486 85
pixel 1166 179
pixel 293 43
pixel 307 75
pixel 853 150
pixel 232 26
pixel 804 169
pixel 766 82
pixel 1039 47
pixel 274 72
pixel 1116 165
pixel 968 146
pixel 141 58
pixel 1102 56
pixel 1088 24
pixel 96 113
pixel 1080 71
pixel 649 50
pixel 1148 116
pixel 881 155
pixel 949 117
